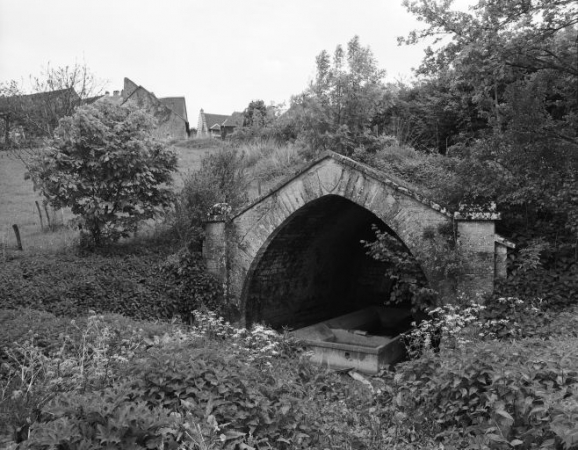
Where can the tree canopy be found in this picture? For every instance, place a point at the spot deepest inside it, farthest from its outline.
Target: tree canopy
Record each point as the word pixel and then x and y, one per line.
pixel 512 69
pixel 338 108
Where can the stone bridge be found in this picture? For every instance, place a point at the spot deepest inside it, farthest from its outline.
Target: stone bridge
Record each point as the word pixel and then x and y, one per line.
pixel 293 256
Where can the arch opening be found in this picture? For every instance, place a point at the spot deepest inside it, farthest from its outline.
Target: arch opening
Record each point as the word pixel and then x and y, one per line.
pixel 315 268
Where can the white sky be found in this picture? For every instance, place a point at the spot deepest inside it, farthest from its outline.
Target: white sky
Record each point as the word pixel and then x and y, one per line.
pixel 219 54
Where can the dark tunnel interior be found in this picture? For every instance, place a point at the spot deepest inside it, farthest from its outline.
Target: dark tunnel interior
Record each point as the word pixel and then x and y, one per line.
pixel 315 268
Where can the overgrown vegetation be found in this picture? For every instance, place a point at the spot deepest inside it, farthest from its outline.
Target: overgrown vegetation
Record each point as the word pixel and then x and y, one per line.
pixel 109 380
pixel 492 119
pixel 147 282
pixel 233 175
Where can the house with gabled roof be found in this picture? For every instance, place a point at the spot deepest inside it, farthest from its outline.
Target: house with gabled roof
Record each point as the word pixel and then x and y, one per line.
pixel 218 125
pixel 177 104
pixel 170 112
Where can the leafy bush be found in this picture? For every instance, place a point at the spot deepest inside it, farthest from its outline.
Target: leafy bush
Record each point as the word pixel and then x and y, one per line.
pixel 497 396
pixel 496 318
pixel 432 175
pixel 192 284
pixel 107 419
pixel 99 389
pixel 106 166
pixel 83 356
pixel 552 282
pixel 234 397
pixel 122 383
pixel 41 327
pixel 222 178
pixel 440 259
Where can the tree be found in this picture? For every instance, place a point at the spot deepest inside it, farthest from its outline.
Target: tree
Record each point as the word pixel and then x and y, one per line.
pixel 346 94
pixel 54 94
pixel 517 62
pixel 501 43
pixel 430 114
pixel 255 114
pixel 105 164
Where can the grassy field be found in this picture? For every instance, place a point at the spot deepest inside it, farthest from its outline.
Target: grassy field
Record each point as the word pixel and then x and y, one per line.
pixel 266 164
pixel 17 202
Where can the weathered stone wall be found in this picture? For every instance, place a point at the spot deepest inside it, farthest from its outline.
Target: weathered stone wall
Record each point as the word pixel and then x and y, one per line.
pixel 294 256
pixel 170 124
pixel 214 248
pixel 477 240
pixel 129 87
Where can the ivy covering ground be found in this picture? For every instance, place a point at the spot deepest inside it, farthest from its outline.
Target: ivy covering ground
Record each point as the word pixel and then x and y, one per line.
pixel 107 381
pixel 139 282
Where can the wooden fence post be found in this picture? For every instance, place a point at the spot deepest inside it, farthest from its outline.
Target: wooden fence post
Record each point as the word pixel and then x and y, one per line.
pixel 40 215
pixel 3 243
pixel 47 216
pixel 17 233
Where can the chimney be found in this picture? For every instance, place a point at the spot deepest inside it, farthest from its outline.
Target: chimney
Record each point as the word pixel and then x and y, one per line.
pixel 116 93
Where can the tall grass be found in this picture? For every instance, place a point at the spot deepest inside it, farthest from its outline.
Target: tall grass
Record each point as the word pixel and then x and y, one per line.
pixel 267 159
pixel 429 174
pixel 17 203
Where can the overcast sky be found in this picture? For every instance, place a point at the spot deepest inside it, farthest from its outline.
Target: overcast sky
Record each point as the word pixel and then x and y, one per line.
pixel 219 54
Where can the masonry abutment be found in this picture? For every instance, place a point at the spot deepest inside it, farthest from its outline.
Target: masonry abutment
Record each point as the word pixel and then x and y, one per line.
pixel 215 248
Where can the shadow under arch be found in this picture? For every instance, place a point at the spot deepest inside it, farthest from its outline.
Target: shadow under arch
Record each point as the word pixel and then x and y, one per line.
pixel 313 266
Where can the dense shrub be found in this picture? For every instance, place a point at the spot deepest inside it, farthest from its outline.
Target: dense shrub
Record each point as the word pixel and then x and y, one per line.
pixel 207 386
pixel 106 165
pixel 101 390
pixel 189 281
pixel 222 178
pixel 41 327
pixel 106 419
pixel 520 394
pixel 553 286
pixel 235 398
pixel 127 384
pixel 128 285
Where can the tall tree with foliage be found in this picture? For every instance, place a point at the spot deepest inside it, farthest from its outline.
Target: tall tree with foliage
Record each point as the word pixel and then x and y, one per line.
pixel 344 97
pixel 105 164
pixel 255 114
pixel 518 61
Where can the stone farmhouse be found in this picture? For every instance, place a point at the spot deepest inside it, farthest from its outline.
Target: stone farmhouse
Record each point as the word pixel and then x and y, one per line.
pixel 218 125
pixel 170 112
pixel 48 107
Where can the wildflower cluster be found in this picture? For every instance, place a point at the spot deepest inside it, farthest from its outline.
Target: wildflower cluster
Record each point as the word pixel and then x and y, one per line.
pixel 467 321
pixel 256 344
pixel 87 360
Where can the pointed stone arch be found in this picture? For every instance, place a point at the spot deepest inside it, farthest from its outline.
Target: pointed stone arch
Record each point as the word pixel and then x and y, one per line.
pixel 339 193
